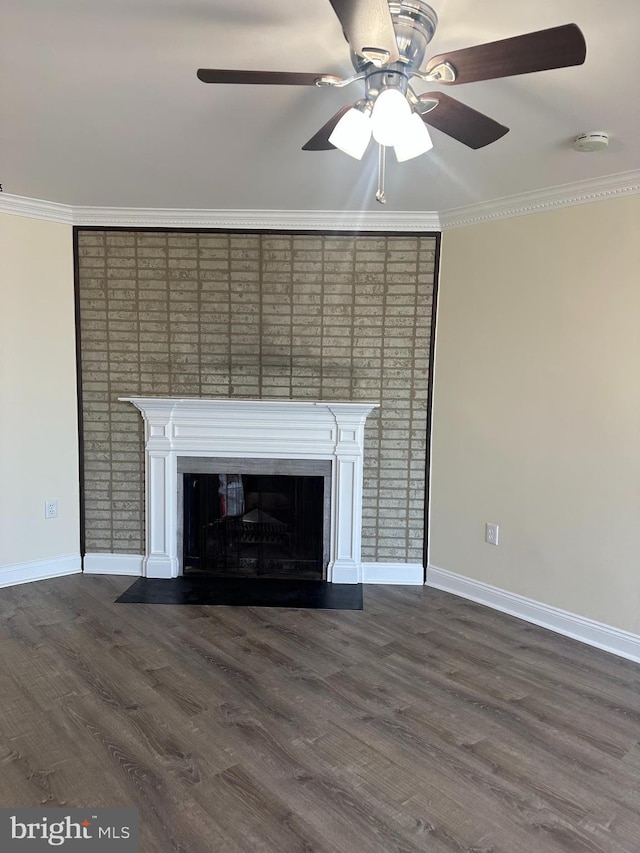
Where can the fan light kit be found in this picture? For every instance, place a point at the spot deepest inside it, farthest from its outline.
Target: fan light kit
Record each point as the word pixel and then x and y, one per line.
pixel 388 41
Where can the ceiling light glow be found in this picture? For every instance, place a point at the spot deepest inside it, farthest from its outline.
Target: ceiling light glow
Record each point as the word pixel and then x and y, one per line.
pixel 352 133
pixel 391 112
pixel 414 139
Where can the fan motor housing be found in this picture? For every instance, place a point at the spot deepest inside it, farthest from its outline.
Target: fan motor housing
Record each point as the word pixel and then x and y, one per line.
pixel 414 23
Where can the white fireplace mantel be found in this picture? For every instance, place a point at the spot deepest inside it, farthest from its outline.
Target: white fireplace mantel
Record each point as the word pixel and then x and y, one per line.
pixel 258 429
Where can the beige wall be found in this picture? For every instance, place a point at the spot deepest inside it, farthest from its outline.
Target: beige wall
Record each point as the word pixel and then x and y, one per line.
pixel 38 424
pixel 537 408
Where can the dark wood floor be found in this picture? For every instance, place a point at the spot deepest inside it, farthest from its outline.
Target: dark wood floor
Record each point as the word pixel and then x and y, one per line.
pixel 424 723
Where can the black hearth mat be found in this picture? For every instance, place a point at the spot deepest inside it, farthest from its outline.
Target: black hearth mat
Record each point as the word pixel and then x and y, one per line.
pixel 245 592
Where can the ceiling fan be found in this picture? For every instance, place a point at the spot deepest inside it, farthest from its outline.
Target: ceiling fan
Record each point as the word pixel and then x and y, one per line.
pixel 388 41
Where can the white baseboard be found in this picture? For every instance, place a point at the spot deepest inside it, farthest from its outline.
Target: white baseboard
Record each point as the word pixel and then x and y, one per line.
pixel 393 573
pixel 113 564
pixel 131 564
pixel 40 570
pixel 606 637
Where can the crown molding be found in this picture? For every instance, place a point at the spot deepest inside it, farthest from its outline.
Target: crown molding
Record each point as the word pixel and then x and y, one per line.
pixel 290 220
pixel 538 201
pixel 34 208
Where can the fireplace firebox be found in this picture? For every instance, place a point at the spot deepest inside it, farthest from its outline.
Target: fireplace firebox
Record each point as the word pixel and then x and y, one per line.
pixel 254 525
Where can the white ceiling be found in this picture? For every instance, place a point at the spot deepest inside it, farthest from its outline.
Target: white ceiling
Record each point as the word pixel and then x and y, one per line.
pixel 100 106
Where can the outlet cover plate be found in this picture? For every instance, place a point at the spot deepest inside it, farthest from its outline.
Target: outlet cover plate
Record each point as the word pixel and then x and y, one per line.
pixel 491 533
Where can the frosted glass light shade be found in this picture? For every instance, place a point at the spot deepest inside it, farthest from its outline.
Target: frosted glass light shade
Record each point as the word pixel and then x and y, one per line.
pixel 390 113
pixel 352 133
pixel 413 140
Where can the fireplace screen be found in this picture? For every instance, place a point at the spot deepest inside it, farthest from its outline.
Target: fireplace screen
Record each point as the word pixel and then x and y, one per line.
pixel 254 525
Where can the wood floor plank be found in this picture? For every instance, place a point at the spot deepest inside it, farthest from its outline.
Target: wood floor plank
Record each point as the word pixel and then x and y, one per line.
pixel 510 633
pixel 422 723
pixel 23 780
pixel 479 708
pixel 258 819
pixel 149 786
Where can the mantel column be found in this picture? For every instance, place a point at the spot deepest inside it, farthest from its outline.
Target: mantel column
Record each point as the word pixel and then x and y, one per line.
pixel 345 565
pixel 161 556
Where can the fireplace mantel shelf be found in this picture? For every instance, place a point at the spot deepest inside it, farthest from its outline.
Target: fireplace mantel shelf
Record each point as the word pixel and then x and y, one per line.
pixel 279 429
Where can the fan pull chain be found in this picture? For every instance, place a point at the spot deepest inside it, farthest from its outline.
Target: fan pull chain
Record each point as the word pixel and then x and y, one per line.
pixel 382 152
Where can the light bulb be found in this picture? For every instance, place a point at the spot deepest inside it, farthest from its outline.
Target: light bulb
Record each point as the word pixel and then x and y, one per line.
pixel 390 113
pixel 413 139
pixel 352 133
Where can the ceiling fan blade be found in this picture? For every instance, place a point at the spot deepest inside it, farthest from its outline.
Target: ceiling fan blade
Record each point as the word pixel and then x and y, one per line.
pixel 368 27
pixel 320 140
pixel 558 47
pixel 462 122
pixel 268 78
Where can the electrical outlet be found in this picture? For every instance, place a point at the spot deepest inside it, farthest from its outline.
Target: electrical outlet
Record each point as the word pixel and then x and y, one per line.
pixel 491 533
pixel 51 509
